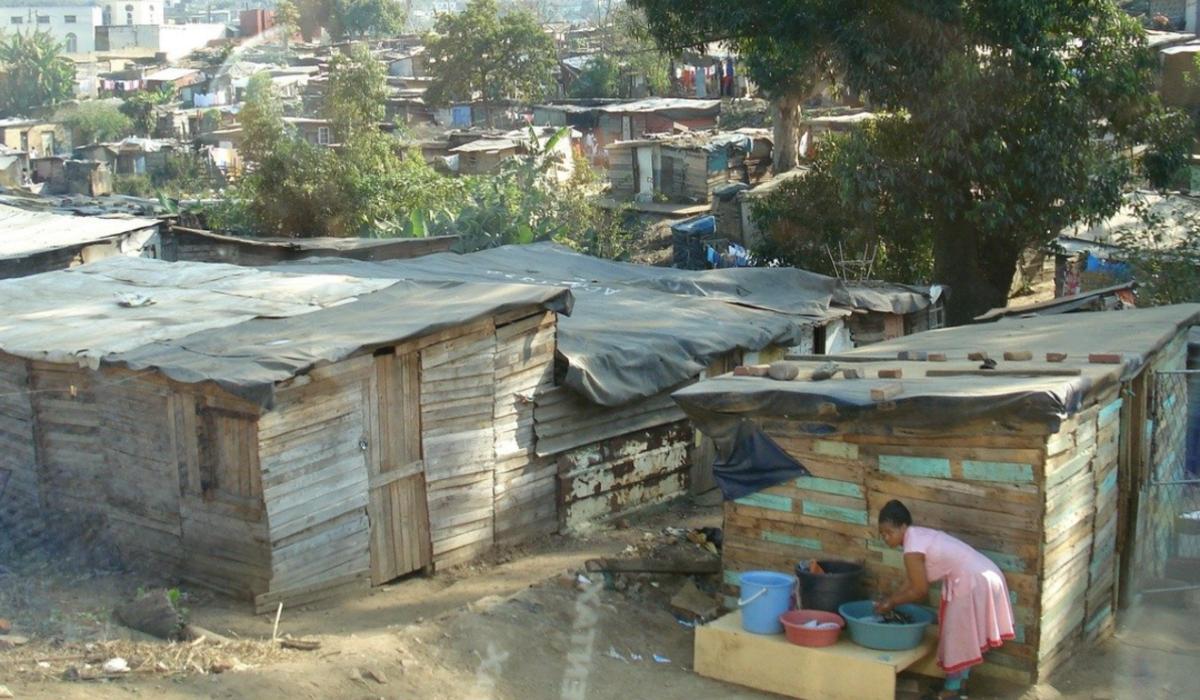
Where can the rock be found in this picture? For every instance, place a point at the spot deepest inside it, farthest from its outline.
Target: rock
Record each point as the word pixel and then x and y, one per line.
pixel 115 665
pixel 375 675
pixel 1042 691
pixel 693 602
pixel 621 524
pixel 6 693
pixel 783 371
pixel 12 641
pixel 5 626
pixel 220 666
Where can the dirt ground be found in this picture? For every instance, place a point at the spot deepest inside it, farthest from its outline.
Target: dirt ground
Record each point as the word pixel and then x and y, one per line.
pixel 520 626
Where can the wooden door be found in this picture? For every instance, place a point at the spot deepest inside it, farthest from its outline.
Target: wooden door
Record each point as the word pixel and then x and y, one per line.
pixel 397 507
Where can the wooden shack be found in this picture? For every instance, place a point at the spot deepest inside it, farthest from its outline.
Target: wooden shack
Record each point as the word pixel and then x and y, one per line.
pixel 275 436
pixel 1058 469
pixel 183 244
pixel 688 167
pixel 39 241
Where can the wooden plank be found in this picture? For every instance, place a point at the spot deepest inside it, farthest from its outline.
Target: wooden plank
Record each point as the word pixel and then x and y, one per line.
pixel 844 671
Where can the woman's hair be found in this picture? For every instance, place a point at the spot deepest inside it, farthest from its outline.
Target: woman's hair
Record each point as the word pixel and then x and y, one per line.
pixel 894 513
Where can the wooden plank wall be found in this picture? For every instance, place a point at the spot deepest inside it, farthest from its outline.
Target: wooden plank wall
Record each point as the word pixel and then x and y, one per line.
pixel 71 457
pixel 525 484
pixel 20 490
pixel 1166 427
pixel 874 327
pixel 138 475
pixel 984 489
pixel 624 473
pixel 458 402
pixel 1079 532
pixel 564 421
pixel 314 481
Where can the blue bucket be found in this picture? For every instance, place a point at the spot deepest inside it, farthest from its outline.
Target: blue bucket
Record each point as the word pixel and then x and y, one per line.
pixel 765 595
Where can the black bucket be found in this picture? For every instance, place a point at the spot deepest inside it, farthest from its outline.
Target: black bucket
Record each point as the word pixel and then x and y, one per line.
pixel 841 583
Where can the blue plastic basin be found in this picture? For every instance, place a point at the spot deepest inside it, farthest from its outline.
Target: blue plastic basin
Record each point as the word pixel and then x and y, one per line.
pixel 865 631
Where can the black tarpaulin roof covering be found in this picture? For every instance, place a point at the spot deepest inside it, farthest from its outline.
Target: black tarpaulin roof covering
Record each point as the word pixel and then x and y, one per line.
pixel 727 408
pixel 242 328
pixel 637 330
pixel 720 404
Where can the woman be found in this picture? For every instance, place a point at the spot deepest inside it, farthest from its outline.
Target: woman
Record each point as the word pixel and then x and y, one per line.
pixel 975 611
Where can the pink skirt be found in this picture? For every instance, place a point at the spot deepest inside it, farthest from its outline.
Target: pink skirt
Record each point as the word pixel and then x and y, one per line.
pixel 976 615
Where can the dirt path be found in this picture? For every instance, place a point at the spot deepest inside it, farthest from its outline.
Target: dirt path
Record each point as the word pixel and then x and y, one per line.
pixel 515 629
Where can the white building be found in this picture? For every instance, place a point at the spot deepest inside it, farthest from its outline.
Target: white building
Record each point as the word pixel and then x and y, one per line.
pixel 73 24
pixel 132 12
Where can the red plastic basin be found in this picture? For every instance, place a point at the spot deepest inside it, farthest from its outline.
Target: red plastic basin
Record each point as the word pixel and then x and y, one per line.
pixel 793 622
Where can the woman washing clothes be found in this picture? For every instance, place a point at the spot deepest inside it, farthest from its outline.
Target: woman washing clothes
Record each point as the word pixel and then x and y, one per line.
pixel 975 611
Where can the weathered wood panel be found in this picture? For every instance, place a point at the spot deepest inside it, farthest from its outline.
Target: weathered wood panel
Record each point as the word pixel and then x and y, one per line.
pixel 524 490
pixel 315 480
pixel 565 421
pixel 399 519
pixel 457 406
pixel 615 476
pixel 20 490
pixel 66 422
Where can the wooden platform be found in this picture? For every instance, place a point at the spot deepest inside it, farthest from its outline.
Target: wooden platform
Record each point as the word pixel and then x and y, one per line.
pixel 845 671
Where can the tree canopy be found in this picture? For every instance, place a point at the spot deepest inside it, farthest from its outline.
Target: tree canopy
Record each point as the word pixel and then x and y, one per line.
pixel 33 73
pixel 348 19
pixel 481 52
pixel 1001 122
pixel 95 121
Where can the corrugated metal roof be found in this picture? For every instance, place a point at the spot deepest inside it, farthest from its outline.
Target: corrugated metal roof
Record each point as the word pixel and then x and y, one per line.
pixel 24 232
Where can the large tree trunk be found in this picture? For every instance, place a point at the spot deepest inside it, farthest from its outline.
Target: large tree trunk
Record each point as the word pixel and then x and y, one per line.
pixel 785 155
pixel 979 272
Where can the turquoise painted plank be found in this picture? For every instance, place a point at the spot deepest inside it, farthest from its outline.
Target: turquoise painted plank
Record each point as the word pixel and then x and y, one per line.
pixel 1008 472
pixel 780 538
pixel 824 510
pixel 930 467
pixel 841 450
pixel 733 578
pixel 838 488
pixel 1109 413
pixel 1006 562
pixel 1098 619
pixel 1019 632
pixel 767 500
pixel 1170 402
pixel 1109 483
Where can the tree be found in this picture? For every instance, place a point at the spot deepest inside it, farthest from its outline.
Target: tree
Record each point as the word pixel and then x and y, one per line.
pixel 94 121
pixel 345 19
pixel 782 45
pixel 478 52
pixel 601 77
pixel 287 18
pixel 1003 121
pixel 33 73
pixel 140 108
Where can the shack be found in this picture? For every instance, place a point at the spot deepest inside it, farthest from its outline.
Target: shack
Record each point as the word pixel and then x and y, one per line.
pixel 1061 464
pixel 272 436
pixel 688 167
pixel 196 245
pixel 607 436
pixel 37 241
pixel 624 121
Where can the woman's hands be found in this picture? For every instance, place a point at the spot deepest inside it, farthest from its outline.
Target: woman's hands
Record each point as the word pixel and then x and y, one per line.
pixel 883 607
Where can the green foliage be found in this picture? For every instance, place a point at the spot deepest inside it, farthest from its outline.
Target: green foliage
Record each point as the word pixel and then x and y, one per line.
pixel 599 78
pixel 33 73
pixel 737 114
pixel 95 121
pixel 1009 120
pixel 1164 257
pixel 346 19
pixel 354 100
pixel 1170 137
pixel 133 185
pixel 479 52
pixel 139 107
